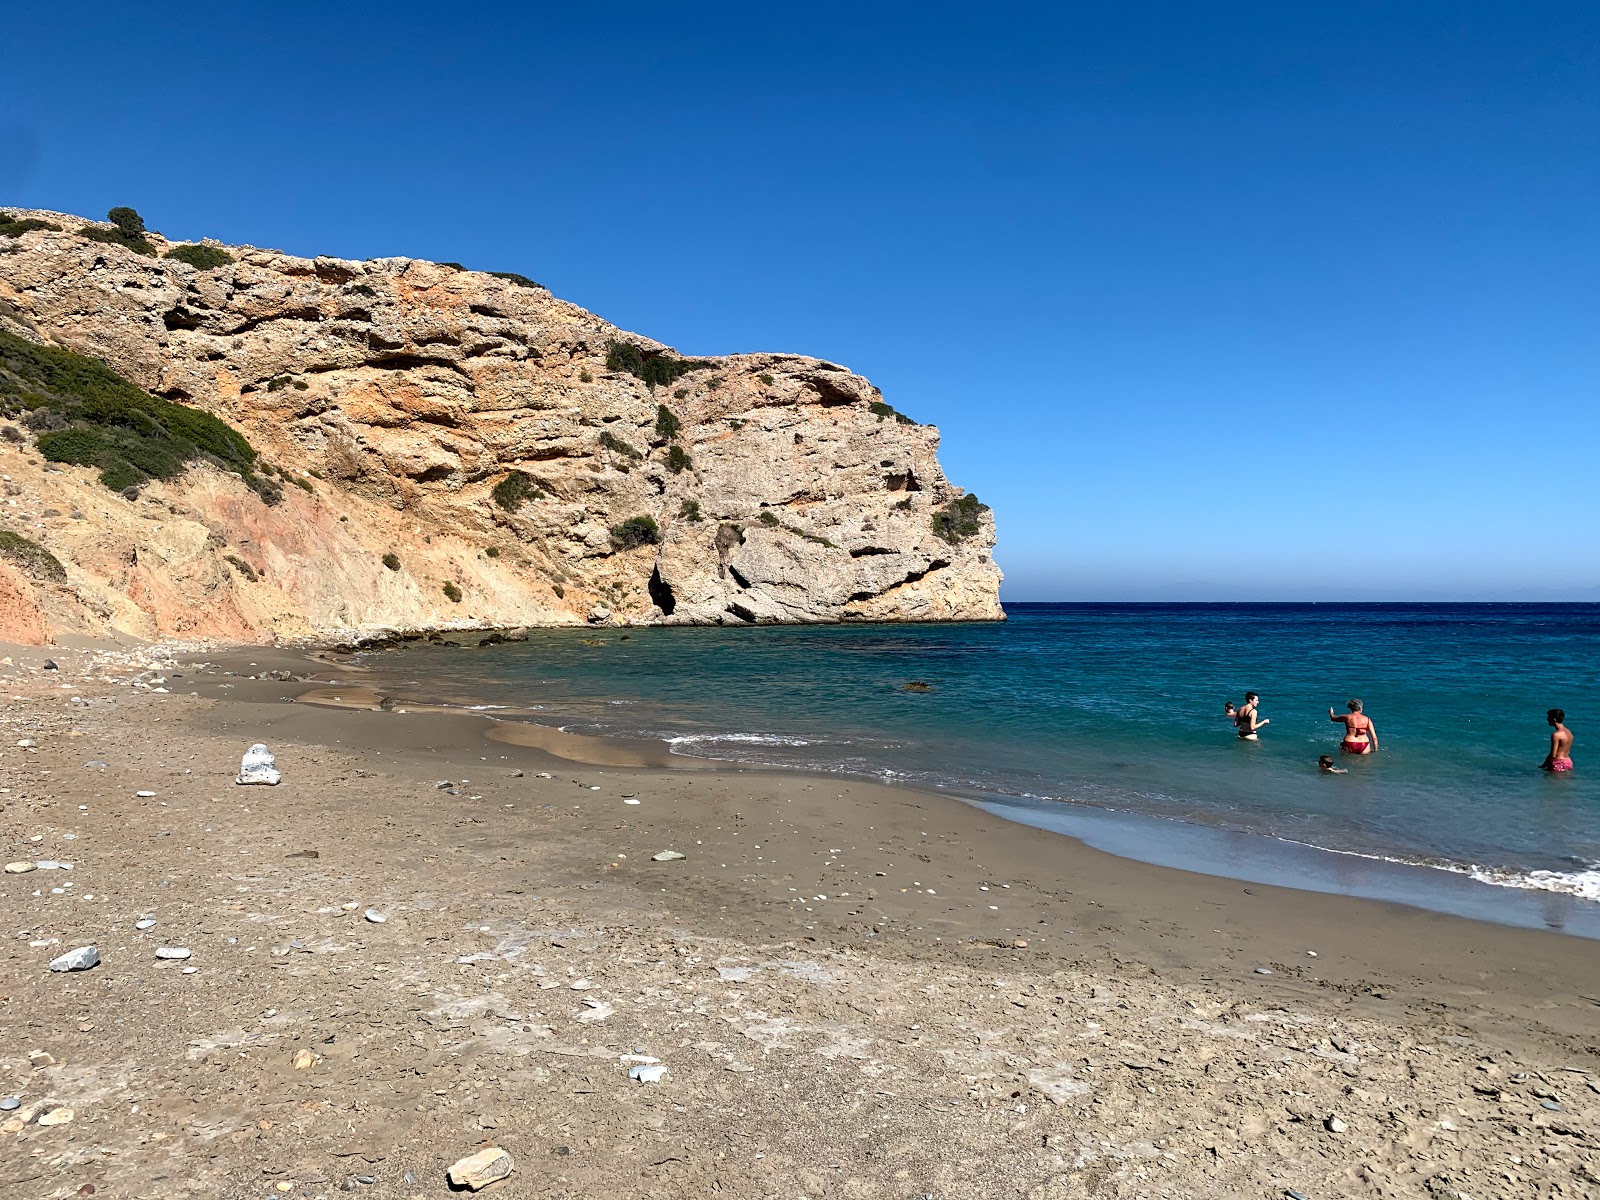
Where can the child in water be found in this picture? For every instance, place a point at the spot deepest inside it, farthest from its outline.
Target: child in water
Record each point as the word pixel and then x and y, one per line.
pixel 1325 765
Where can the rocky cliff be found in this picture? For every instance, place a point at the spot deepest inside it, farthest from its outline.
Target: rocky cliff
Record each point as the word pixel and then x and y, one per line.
pixel 461 449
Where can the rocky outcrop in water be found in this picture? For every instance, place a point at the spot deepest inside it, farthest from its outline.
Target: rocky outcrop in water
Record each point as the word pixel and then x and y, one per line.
pixel 460 449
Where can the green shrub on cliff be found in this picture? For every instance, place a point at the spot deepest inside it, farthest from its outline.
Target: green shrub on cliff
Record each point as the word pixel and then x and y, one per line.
pixel 881 410
pixel 654 369
pixel 667 425
pixel 515 490
pixel 202 258
pixel 958 520
pixel 678 460
pixel 634 532
pixel 88 415
pixel 617 446
pixel 31 557
pixel 392 561
pixel 452 593
pixel 127 229
pixel 17 226
pixel 520 280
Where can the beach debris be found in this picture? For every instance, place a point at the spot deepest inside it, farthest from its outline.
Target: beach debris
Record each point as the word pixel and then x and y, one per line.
pixel 480 1170
pixel 648 1072
pixel 1334 1125
pixel 667 856
pixel 145 795
pixel 9 1103
pixel 19 868
pixel 145 923
pixel 258 766
pixel 80 959
pixel 174 952
pixel 376 917
pixel 304 1060
pixel 599 1010
pixel 40 1059
pixel 57 1116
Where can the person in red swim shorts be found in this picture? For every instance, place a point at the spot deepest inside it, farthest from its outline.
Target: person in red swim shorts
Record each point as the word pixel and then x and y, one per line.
pixel 1560 757
pixel 1360 734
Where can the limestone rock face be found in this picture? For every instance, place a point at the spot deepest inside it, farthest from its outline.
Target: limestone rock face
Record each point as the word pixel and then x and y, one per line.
pixel 400 393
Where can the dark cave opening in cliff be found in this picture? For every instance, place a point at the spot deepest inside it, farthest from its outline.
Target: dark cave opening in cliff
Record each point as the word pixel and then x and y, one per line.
pixel 661 593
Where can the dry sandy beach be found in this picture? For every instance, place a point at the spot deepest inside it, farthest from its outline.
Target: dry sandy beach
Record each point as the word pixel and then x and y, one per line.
pixel 856 991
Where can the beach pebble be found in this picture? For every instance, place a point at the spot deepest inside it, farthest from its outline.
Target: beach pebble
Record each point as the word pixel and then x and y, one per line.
pixel 80 959
pixel 629 800
pixel 8 1103
pixel 666 856
pixel 57 1116
pixel 1551 1105
pixel 191 970
pixel 1334 1125
pixel 19 868
pixel 147 923
pixel 145 795
pixel 27 744
pixel 651 1073
pixel 1263 970
pixel 304 1060
pixel 50 864
pixel 95 762
pixel 480 1170
pixel 258 766
pixel 376 917
pixel 1294 1195
pixel 40 1059
pixel 177 952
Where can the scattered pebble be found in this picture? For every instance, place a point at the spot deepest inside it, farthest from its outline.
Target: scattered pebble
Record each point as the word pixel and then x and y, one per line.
pixel 1335 1125
pixel 666 856
pixel 145 795
pixel 1263 970
pixel 177 952
pixel 147 923
pixel 376 917
pixel 8 1103
pixel 40 1059
pixel 57 1116
pixel 19 868
pixel 258 766
pixel 304 1060
pixel 651 1073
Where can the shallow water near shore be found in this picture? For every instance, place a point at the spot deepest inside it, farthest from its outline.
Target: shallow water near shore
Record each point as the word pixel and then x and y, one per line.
pixel 1110 716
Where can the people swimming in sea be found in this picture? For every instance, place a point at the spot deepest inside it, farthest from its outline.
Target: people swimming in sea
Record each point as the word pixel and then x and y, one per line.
pixel 1229 711
pixel 1325 765
pixel 1559 760
pixel 1248 719
pixel 1360 734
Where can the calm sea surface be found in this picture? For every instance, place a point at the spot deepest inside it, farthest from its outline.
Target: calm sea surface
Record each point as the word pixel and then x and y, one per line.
pixel 1106 721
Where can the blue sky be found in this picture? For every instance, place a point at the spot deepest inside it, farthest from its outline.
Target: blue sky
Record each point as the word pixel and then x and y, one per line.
pixel 1211 301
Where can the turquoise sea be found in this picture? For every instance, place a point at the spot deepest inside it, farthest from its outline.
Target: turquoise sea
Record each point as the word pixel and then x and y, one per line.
pixel 1105 721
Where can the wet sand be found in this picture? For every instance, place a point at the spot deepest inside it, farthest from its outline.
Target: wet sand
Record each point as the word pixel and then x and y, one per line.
pixel 858 990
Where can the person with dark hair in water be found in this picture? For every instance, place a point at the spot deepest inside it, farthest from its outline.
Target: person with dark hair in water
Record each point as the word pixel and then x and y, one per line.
pixel 1559 760
pixel 1326 767
pixel 1360 735
pixel 1248 719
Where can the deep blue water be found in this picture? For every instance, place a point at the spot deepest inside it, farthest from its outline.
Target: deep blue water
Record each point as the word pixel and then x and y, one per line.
pixel 1116 707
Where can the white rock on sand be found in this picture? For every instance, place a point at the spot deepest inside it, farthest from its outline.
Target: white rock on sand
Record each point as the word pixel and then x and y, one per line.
pixel 258 766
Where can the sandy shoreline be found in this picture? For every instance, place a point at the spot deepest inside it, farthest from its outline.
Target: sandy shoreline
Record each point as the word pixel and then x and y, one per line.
pixel 891 1039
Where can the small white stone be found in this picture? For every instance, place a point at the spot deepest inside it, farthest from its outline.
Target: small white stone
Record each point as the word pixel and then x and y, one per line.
pixel 145 795
pixel 147 923
pixel 376 917
pixel 173 952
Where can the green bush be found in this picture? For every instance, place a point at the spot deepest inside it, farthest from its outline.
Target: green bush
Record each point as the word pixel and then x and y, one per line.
pixel 881 410
pixel 31 557
pixel 17 226
pixel 78 446
pixel 654 369
pixel 584 376
pixel 766 380
pixel 959 519
pixel 128 222
pixel 519 280
pixel 94 417
pixel 769 518
pixel 678 459
pixel 689 510
pixel 635 531
pixel 452 593
pixel 492 551
pixel 278 383
pixel 304 484
pixel 615 444
pixel 392 561
pixel 241 566
pixel 667 425
pixel 515 490
pixel 202 258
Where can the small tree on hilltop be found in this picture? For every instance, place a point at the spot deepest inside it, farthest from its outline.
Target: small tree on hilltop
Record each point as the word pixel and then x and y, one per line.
pixel 128 222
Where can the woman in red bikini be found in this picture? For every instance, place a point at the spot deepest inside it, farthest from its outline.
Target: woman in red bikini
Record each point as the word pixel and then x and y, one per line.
pixel 1360 734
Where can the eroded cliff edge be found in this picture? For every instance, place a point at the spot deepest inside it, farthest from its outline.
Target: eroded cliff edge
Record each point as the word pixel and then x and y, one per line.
pixel 398 395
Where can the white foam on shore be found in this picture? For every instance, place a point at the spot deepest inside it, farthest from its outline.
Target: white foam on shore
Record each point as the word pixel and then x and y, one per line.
pixel 753 739
pixel 1584 883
